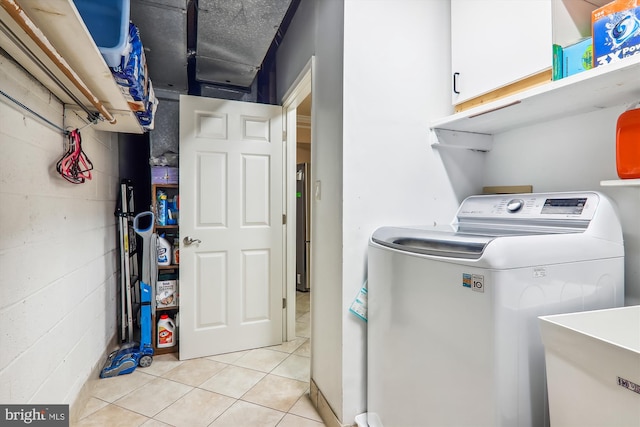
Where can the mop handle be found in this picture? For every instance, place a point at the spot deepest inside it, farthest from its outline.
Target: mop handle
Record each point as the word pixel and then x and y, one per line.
pixel 146 230
pixel 148 253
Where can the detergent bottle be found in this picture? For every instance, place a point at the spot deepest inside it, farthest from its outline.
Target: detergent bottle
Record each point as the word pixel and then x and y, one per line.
pixel 164 251
pixel 166 331
pixel 161 214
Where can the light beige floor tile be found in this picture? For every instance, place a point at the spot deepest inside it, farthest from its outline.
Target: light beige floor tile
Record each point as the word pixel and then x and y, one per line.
pixel 288 346
pixel 304 408
pixel 303 329
pixel 261 359
pixel 195 372
pixel 112 416
pixel 154 396
pixel 295 367
pixel 304 317
pixel 112 389
pixel 302 308
pixel 304 349
pixel 162 364
pixel 233 381
pixel 228 357
pixel 198 408
pixel 247 414
pixel 290 420
pixel 276 392
pixel 93 405
pixel 155 423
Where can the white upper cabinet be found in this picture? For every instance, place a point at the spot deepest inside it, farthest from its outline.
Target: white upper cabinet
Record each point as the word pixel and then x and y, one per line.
pixel 498 42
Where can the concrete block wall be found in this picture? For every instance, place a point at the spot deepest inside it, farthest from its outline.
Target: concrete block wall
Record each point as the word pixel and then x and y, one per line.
pixel 58 249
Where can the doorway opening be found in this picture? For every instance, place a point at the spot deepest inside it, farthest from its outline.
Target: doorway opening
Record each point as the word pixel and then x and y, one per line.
pixel 297 104
pixel 303 218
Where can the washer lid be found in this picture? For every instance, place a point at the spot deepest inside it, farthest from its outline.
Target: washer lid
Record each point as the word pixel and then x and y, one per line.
pixel 430 242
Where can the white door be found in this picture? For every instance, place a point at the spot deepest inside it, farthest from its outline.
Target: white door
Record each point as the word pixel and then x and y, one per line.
pixel 231 185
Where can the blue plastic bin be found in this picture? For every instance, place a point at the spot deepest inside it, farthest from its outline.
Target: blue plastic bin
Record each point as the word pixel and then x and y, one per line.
pixel 108 23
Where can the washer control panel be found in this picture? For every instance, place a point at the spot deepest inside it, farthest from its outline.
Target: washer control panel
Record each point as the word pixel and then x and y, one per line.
pixel 539 206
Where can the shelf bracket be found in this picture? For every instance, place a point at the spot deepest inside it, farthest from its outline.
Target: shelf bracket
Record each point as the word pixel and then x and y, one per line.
pixel 458 140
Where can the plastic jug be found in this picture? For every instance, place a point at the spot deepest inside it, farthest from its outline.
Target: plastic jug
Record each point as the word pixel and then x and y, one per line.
pixel 164 251
pixel 628 144
pixel 166 332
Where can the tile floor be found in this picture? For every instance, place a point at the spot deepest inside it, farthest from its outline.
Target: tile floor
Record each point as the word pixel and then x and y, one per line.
pixel 262 387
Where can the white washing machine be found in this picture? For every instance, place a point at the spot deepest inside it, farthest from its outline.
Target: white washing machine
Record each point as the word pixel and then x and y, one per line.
pixel 453 336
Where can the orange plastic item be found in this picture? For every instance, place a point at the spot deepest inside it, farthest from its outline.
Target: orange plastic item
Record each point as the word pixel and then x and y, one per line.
pixel 628 144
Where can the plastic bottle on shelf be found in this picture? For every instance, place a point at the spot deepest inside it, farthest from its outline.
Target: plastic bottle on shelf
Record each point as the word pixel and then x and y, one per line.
pixel 164 251
pixel 166 332
pixel 172 211
pixel 176 251
pixel 161 217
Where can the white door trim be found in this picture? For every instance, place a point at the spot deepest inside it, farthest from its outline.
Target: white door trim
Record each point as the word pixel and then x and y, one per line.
pixel 297 92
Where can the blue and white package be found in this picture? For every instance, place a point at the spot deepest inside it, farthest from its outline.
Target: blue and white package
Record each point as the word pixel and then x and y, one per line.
pixel 577 57
pixel 133 80
pixel 131 75
pixel 615 31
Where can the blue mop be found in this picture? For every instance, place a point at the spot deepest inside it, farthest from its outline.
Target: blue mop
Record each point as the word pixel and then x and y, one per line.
pixel 128 357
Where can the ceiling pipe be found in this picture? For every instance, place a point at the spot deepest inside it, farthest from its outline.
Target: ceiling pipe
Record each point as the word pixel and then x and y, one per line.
pixel 21 18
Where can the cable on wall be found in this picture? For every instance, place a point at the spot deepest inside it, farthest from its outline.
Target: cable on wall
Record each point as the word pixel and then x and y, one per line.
pixel 92 117
pixel 39 116
pixel 24 49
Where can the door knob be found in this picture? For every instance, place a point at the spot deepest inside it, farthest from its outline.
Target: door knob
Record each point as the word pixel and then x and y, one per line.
pixel 189 241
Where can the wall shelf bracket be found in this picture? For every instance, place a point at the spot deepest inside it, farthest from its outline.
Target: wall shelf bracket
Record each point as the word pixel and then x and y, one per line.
pixel 460 140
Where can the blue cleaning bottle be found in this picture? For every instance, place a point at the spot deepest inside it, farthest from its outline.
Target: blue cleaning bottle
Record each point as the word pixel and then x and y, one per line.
pixel 161 217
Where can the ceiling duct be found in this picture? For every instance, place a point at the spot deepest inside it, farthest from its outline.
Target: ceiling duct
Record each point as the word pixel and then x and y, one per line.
pixel 163 31
pixel 233 38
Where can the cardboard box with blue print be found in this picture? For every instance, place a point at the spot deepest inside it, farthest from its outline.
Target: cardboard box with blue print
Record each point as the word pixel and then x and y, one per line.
pixel 164 175
pixel 615 31
pixel 577 57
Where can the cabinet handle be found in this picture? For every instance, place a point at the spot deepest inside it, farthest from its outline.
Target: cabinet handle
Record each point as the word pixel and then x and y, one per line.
pixel 455 83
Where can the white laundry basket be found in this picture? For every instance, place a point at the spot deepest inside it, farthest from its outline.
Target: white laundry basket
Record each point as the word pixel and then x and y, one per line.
pixel 593 367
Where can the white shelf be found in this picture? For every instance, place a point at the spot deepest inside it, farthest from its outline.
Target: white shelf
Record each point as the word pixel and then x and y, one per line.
pixel 621 183
pixel 614 84
pixel 62 25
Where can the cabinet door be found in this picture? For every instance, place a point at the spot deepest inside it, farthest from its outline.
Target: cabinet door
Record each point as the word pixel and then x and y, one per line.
pixel 497 42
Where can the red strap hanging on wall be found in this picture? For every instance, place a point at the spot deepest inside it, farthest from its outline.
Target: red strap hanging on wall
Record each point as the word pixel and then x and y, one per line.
pixel 74 165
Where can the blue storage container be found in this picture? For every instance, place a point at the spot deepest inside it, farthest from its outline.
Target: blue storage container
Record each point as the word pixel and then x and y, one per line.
pixel 108 23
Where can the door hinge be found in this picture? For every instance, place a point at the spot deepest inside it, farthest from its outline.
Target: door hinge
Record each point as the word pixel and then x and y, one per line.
pixel 284 303
pixel 284 219
pixel 284 135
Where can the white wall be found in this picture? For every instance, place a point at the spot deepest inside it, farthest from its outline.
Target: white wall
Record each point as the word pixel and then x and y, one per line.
pixel 374 93
pixel 317 29
pixel 58 253
pixel 573 153
pixel 396 74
